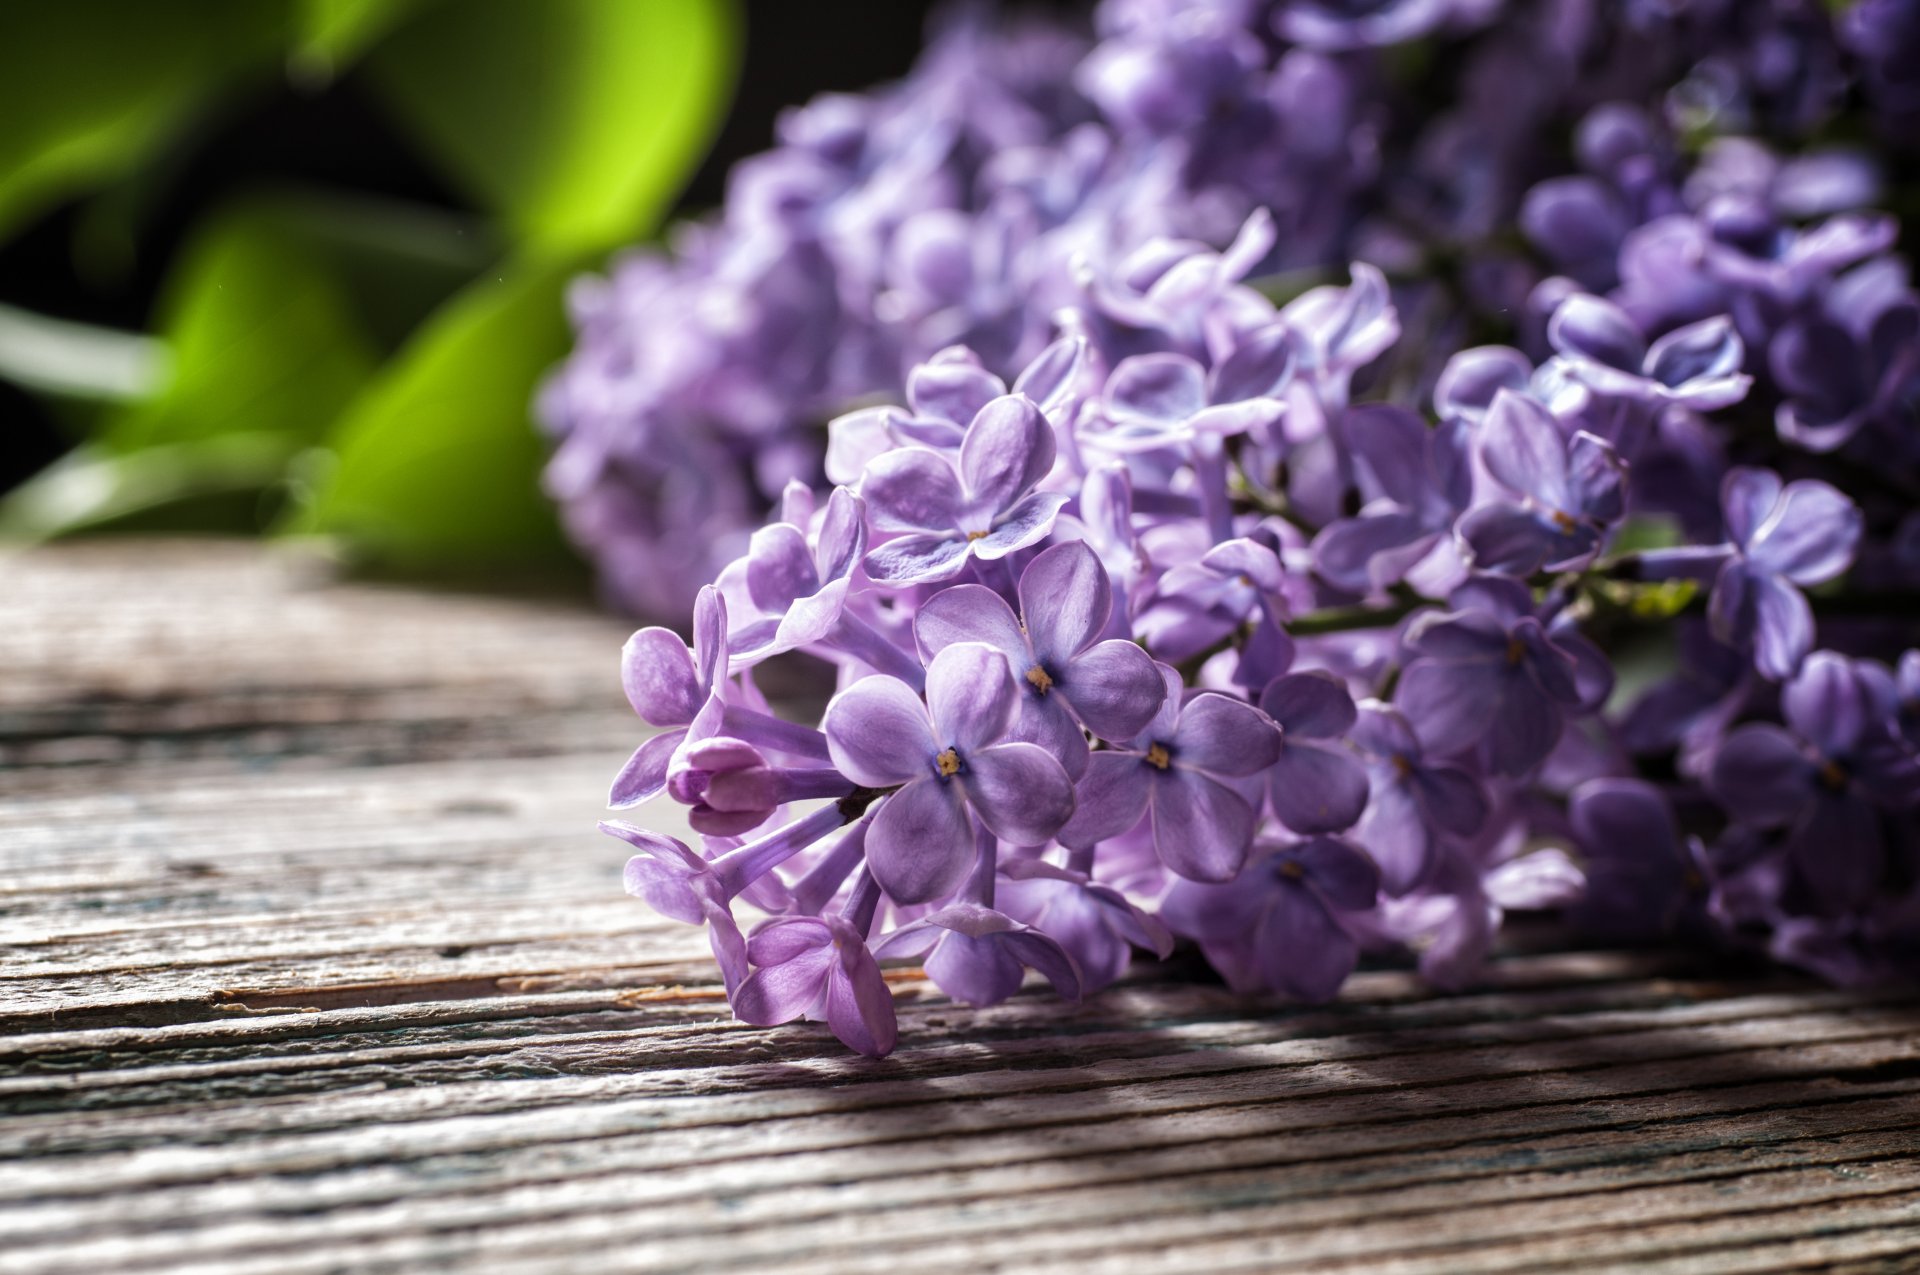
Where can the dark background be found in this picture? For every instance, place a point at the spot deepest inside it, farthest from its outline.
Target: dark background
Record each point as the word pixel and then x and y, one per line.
pixel 339 138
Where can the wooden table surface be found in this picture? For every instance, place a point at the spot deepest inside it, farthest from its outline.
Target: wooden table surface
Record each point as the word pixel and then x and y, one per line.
pixel 311 960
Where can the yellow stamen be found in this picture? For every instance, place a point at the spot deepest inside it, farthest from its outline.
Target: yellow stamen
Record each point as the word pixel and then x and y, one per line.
pixel 1039 679
pixel 949 763
pixel 1159 757
pixel 1516 650
pixel 1563 521
pixel 1401 766
pixel 1833 776
pixel 976 535
pixel 1291 869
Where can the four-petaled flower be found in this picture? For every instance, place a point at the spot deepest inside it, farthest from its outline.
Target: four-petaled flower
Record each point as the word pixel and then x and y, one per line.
pixel 1176 771
pixel 945 759
pixel 1068 677
pixel 984 507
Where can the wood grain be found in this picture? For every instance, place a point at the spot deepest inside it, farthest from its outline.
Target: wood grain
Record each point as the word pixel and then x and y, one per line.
pixel 311 960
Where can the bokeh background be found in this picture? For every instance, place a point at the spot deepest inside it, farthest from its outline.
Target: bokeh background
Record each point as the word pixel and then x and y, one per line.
pixel 297 266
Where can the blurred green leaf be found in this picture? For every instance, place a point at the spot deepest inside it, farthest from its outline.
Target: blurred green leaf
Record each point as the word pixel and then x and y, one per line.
pixel 394 262
pixel 576 120
pixel 263 339
pixel 330 35
pixel 209 484
pixel 89 87
pixel 438 462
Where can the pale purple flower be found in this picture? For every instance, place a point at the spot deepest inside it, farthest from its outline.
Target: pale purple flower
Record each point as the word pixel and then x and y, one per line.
pixel 1069 678
pixel 818 967
pixel 1644 880
pixel 1176 772
pixel 1096 924
pixel 944 513
pixel 948 762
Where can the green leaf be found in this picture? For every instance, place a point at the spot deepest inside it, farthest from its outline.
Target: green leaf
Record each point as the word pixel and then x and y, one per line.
pixel 438 462
pixel 88 88
pixel 263 338
pixel 577 121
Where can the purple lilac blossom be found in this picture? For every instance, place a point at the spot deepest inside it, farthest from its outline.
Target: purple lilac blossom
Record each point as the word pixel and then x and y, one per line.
pixel 1146 601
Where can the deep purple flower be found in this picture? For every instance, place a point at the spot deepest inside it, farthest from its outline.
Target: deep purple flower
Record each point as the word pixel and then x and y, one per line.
pixel 947 761
pixel 1417 482
pixel 1824 779
pixel 1175 771
pixel 1413 804
pixel 984 507
pixel 1278 925
pixel 976 955
pixel 1855 363
pixel 1783 538
pixel 1315 785
pixel 818 967
pixel 1490 678
pixel 1697 366
pixel 1070 678
pixel 1644 880
pixel 1564 494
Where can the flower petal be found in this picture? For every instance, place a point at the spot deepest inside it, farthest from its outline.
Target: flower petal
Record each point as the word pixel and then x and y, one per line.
pixel 1303 952
pixel 1109 799
pixel 912 489
pixel 1224 735
pixel 971 613
pixel 1761 774
pixel 1114 687
pixel 860 1005
pixel 645 774
pixel 971 696
pixel 775 994
pixel 1313 705
pixel 656 669
pixel 1019 791
pixel 1201 827
pixel 1028 522
pixel 1315 789
pixel 908 560
pixel 1009 448
pixel 1066 599
pixel 920 844
pixel 877 733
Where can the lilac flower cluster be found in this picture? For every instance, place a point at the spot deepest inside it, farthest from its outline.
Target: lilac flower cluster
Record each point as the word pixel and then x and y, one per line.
pixel 1169 587
pixel 967 204
pixel 1184 635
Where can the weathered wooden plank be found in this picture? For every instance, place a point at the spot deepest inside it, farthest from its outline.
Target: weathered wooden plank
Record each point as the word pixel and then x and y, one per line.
pixel 311 960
